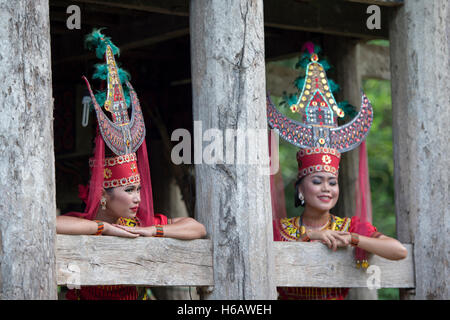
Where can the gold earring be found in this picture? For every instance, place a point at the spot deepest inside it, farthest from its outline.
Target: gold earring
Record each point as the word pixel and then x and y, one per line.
pixel 103 203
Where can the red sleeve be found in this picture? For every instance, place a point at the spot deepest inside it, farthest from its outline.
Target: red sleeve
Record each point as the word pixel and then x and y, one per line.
pixel 160 219
pixel 363 228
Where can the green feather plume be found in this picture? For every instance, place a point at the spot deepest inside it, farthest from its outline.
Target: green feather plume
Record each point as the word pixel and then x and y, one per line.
pixel 299 83
pixel 102 73
pixel 326 66
pixel 99 42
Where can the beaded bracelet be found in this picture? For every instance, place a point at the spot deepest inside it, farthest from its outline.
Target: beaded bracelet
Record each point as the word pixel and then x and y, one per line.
pixel 100 227
pixel 354 239
pixel 159 231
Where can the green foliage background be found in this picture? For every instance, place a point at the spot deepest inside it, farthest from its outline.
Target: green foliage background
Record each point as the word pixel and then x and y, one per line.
pixel 381 164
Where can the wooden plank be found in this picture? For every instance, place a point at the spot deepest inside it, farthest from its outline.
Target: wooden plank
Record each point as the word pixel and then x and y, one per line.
pixel 323 268
pixel 90 260
pixel 106 260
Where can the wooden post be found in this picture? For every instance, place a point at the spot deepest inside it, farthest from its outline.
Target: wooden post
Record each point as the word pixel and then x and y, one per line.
pixel 27 187
pixel 419 52
pixel 233 199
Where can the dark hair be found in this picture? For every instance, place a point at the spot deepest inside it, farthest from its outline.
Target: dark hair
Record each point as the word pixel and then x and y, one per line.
pixel 110 191
pixel 297 201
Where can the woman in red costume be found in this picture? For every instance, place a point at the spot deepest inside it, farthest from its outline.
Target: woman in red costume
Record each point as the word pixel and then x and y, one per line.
pixel 119 195
pixel 321 143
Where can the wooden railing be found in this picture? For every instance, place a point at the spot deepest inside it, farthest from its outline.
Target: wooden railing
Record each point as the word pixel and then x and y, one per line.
pixel 91 260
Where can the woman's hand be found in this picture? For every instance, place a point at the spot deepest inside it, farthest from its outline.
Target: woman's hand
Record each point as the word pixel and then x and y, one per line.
pixel 138 231
pixel 114 230
pixel 333 239
pixel 183 228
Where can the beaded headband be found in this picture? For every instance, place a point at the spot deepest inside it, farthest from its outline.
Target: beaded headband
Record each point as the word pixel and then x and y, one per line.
pixel 119 171
pixel 317 159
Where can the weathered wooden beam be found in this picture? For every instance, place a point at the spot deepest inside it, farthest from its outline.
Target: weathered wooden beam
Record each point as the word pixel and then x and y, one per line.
pixel 90 260
pixel 27 184
pixel 419 49
pixel 228 90
pixel 314 265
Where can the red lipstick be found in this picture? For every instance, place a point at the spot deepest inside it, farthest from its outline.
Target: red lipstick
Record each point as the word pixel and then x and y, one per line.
pixel 325 199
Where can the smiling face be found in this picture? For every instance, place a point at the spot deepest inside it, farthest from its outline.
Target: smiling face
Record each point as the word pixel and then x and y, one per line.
pixel 123 201
pixel 320 190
